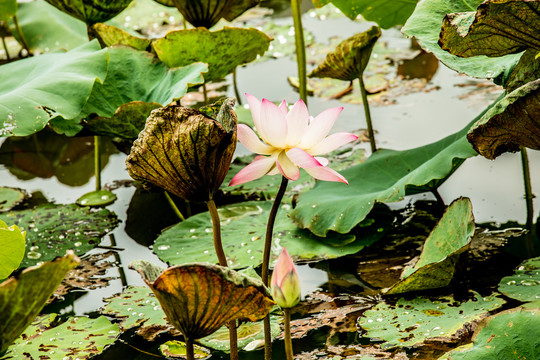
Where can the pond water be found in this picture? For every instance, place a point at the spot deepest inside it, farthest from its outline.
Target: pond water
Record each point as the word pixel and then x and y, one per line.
pixel 408 119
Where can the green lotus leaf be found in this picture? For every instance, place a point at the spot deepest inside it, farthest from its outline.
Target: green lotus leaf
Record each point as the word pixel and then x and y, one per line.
pixel 511 124
pixel 78 337
pixel 109 35
pixel 222 50
pixel 185 151
pixel 524 285
pixel 386 176
pixel 91 11
pixel 511 334
pixel 12 245
pixel 198 299
pixel 132 76
pixel 497 28
pixel 411 322
pixel 177 349
pixel 23 296
pixel 10 197
pixel 8 9
pixel 53 229
pixel 207 13
pixel 37 89
pixel 436 265
pixel 386 13
pixel 350 58
pixel 526 70
pixel 425 25
pixel 243 228
pixel 46 29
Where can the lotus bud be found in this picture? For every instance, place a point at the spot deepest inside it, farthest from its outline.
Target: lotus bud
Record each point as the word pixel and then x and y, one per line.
pixel 285 282
pixel 185 151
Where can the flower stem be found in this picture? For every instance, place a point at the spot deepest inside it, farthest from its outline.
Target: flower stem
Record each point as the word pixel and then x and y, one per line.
pixel 266 261
pixel 368 114
pixel 287 333
pixel 190 351
pixel 235 85
pixel 173 206
pixel 97 161
pixel 300 49
pixel 529 196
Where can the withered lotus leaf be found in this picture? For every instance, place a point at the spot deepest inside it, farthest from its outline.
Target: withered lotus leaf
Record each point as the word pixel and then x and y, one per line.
pixel 497 28
pixel 185 151
pixel 91 11
pixel 200 298
pixel 207 13
pixel 350 58
pixel 512 123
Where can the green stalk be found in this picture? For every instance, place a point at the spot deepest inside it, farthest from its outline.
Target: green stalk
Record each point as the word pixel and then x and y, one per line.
pixel 21 36
pixel 287 334
pixel 6 49
pixel 173 206
pixel 235 85
pixel 205 94
pixel 97 161
pixel 529 196
pixel 300 49
pixel 368 114
pixel 266 261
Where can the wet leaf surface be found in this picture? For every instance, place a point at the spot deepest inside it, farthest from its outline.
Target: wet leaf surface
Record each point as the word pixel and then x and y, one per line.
pixel 53 229
pixel 524 284
pixel 10 197
pixel 91 273
pixel 97 198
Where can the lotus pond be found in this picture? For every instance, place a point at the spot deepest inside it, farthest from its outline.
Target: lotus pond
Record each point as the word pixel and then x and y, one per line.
pixel 429 252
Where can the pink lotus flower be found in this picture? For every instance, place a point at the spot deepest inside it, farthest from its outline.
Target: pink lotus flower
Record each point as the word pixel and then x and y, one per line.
pixel 285 282
pixel 291 140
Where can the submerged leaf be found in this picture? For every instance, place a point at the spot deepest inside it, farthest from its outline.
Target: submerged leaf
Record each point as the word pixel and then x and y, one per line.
pixel 91 11
pixel 437 262
pixel 499 27
pixel 350 58
pixel 524 285
pixel 200 298
pixel 207 13
pixel 23 296
pixel 513 123
pixel 222 50
pixel 12 245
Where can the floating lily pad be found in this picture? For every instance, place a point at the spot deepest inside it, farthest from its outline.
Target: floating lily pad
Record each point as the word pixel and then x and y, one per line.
pixel 10 197
pixel 53 229
pixel 513 123
pixel 97 198
pixel 78 337
pixel 177 349
pixel 511 334
pixel 109 35
pixel 23 296
pixel 243 228
pixel 12 245
pixel 91 11
pixel 437 262
pixel 497 28
pixel 425 25
pixel 524 285
pixel 411 322
pixel 59 85
pixel 236 47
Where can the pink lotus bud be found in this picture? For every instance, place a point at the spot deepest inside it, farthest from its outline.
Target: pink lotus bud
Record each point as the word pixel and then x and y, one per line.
pixel 285 282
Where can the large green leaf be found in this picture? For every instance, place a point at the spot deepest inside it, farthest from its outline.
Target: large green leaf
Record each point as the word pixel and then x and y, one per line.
pixel 8 8
pixel 511 334
pixel 437 262
pixel 386 176
pixel 243 227
pixel 12 245
pixel 53 229
pixel 410 322
pixel 45 28
pixel 77 338
pixel 91 11
pixel 134 76
pixel 222 50
pixel 386 13
pixel 497 28
pixel 37 89
pixel 514 122
pixel 425 26
pixel 524 285
pixel 23 296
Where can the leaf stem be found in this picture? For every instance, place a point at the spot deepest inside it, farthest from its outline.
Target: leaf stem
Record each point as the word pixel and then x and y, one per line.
pixel 97 161
pixel 216 227
pixel 287 333
pixel 21 35
pixel 205 94
pixel 6 49
pixel 173 206
pixel 529 196
pixel 266 261
pixel 235 85
pixel 190 350
pixel 368 114
pixel 300 49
